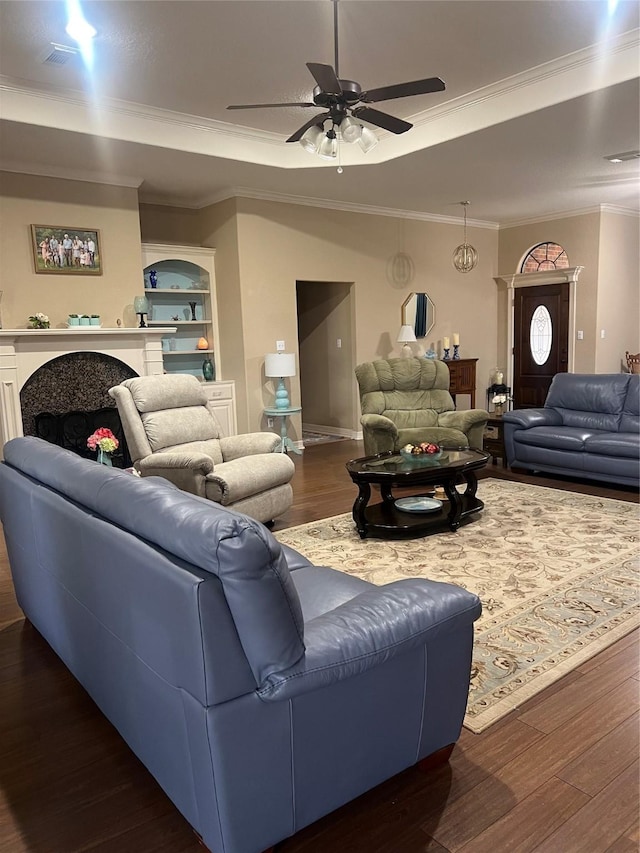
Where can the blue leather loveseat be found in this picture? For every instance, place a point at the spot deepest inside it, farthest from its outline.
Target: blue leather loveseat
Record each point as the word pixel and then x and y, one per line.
pixel 259 690
pixel 589 427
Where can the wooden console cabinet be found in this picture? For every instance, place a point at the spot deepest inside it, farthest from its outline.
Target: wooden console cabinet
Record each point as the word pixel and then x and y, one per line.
pixel 462 378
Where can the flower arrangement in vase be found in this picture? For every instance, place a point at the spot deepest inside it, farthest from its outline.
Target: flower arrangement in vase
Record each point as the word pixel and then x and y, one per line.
pixel 39 321
pixel 105 442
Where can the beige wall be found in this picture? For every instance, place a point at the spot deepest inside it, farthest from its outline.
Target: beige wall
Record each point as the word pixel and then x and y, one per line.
pixel 618 309
pixel 162 224
pixel 27 200
pixel 280 244
pixel 325 316
pixel 579 236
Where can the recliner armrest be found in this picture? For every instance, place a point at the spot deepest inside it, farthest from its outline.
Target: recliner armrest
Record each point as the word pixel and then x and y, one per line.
pixel 379 422
pixel 526 418
pixel 236 446
pixel 197 462
pixel 369 630
pixel 463 419
pixel 187 471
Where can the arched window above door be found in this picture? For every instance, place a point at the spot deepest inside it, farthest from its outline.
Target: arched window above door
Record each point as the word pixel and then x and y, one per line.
pixel 544 256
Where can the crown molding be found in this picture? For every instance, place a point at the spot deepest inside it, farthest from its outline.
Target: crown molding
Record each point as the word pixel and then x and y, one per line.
pixel 568 214
pixel 561 79
pixel 127 181
pixel 327 204
pixel 620 211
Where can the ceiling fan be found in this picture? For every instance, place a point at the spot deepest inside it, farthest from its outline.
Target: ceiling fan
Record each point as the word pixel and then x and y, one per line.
pixel 345 105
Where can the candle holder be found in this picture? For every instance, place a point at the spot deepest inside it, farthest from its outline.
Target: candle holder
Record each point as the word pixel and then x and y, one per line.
pixel 446 356
pixel 456 352
pixel 192 305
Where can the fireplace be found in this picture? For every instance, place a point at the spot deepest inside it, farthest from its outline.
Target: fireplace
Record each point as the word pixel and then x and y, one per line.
pixel 30 361
pixel 67 399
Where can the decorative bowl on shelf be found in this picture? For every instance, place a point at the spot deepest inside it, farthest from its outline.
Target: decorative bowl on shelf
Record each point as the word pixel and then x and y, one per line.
pixel 421 458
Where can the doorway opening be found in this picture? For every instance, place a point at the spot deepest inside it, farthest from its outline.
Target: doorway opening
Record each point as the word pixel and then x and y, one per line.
pixel 326 355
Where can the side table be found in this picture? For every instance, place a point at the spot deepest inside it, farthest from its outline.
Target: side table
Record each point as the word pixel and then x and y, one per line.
pixel 286 443
pixel 494 439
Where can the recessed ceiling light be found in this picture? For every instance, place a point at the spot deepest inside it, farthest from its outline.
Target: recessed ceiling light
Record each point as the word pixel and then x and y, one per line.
pixel 620 158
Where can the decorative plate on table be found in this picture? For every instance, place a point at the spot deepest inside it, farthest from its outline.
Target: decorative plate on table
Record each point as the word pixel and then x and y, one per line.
pixel 419 503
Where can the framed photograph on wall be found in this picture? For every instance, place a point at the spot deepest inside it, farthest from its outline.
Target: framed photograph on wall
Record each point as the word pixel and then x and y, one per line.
pixel 71 251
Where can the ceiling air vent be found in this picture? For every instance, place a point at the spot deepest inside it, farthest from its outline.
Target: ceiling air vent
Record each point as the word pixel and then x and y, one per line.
pixel 60 54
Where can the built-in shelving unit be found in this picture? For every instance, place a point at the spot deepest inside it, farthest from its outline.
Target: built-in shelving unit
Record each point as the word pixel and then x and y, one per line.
pixel 186 283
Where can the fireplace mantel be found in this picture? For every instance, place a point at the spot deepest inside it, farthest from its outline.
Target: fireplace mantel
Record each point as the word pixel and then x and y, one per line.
pixel 23 351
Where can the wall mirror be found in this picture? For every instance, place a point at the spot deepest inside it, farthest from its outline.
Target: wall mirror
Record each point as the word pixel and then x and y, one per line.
pixel 419 312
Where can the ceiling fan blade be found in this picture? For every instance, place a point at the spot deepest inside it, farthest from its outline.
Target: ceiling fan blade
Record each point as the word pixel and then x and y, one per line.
pixel 263 106
pixel 295 137
pixel 383 120
pixel 325 77
pixel 403 90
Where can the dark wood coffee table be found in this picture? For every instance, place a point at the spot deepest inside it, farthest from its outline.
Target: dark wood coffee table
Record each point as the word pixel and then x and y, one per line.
pixel 389 470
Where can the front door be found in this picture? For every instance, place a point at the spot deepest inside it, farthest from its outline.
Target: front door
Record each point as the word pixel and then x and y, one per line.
pixel 541 341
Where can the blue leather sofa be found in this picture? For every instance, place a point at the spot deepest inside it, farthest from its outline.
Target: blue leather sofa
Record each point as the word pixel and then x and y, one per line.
pixel 589 427
pixel 259 690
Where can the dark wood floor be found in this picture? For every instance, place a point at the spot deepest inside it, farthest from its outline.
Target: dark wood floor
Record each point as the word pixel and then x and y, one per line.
pixel 559 775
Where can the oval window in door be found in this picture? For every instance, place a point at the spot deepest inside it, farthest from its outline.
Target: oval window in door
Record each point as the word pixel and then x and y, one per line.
pixel 540 335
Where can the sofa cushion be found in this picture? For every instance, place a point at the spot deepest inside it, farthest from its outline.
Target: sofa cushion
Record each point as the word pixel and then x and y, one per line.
pixel 614 444
pixel 555 437
pixel 589 401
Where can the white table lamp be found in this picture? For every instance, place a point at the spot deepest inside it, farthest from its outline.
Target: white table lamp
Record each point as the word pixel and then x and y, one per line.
pixel 280 364
pixel 406 335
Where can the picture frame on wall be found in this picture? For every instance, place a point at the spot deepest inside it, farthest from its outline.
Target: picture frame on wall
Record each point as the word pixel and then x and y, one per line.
pixel 66 251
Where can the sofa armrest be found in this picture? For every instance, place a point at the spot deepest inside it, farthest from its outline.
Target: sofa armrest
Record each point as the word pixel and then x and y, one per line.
pixel 526 418
pixel 369 630
pixel 236 446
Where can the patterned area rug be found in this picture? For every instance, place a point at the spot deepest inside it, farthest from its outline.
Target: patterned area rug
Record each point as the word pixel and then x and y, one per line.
pixel 557 574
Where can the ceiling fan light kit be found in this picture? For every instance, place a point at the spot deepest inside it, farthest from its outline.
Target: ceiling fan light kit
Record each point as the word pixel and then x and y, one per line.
pixel 465 257
pixel 311 139
pixel 328 149
pixel 345 105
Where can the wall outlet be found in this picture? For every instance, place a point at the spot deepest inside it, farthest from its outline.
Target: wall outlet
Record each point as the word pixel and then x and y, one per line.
pixel 580 336
pixel 339 343
pixel 602 333
pixel 279 346
pixel 270 423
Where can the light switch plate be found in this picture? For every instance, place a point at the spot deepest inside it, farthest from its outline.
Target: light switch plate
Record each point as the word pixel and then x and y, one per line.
pixel 279 346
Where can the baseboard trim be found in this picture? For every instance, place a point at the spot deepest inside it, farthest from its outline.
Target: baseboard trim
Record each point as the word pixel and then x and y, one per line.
pixel 330 430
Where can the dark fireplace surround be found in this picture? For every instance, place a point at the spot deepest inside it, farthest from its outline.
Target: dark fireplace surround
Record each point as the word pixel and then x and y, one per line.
pixel 65 400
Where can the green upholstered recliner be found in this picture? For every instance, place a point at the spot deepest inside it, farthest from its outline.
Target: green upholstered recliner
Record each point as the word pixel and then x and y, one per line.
pixel 407 400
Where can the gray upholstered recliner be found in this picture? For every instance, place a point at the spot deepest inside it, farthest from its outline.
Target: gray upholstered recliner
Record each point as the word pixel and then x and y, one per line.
pixel 407 401
pixel 173 433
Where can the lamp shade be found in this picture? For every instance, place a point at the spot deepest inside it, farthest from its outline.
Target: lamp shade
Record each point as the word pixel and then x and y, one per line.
pixel 280 364
pixel 350 129
pixel 311 139
pixel 367 140
pixel 406 335
pixel 328 149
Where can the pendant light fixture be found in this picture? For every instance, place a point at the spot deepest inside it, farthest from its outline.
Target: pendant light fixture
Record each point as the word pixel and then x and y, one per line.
pixel 465 257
